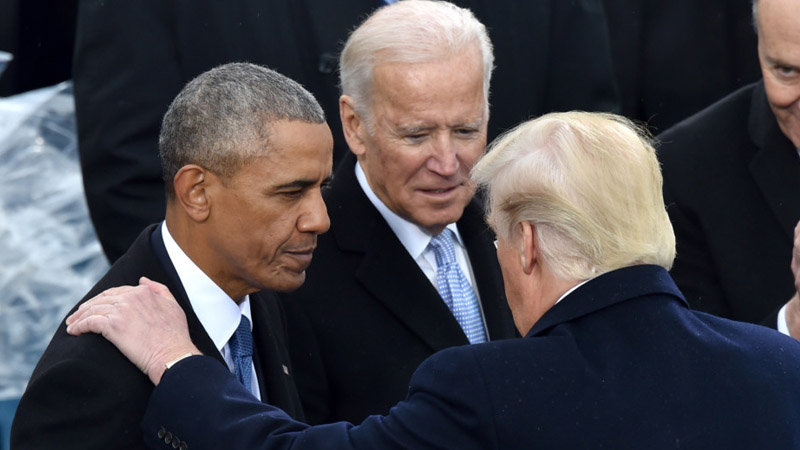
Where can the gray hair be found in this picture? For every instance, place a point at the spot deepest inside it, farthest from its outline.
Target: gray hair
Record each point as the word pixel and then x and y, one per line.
pixel 221 119
pixel 409 31
pixel 755 15
pixel 590 183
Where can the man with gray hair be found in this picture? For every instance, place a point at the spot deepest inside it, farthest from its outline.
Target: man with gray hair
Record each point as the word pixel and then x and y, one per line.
pixel 408 262
pixel 732 186
pixel 612 356
pixel 245 153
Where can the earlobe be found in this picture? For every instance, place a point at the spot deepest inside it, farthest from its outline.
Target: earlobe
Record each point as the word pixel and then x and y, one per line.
pixel 352 125
pixel 192 188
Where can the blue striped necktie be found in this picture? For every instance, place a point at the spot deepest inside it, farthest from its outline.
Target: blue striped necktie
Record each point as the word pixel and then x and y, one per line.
pixel 456 290
pixel 241 346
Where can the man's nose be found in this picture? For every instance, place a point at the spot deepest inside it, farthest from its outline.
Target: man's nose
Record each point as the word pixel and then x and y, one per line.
pixel 315 219
pixel 444 160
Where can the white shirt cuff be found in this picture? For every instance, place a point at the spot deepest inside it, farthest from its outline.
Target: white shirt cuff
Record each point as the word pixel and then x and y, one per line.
pixel 783 327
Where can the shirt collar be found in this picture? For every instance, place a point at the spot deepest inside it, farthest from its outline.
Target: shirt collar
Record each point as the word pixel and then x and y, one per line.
pixel 414 239
pixel 217 312
pixel 571 290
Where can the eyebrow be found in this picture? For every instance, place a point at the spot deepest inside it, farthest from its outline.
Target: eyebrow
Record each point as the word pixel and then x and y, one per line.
pixel 300 184
pixel 780 63
pixel 419 128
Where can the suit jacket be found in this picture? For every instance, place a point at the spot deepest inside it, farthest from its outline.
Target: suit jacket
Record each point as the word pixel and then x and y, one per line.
pixel 732 190
pixel 85 394
pixel 132 59
pixel 621 363
pixel 367 316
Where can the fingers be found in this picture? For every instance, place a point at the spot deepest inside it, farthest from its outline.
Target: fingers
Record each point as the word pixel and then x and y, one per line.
pixel 107 297
pixel 156 287
pixel 92 317
pixel 92 323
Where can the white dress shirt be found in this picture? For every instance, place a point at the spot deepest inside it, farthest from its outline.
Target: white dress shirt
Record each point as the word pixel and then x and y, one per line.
pixel 218 313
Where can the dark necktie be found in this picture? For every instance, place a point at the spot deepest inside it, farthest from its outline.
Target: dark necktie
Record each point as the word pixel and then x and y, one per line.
pixel 241 346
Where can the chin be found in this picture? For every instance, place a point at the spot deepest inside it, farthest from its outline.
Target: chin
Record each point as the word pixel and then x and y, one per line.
pixel 288 283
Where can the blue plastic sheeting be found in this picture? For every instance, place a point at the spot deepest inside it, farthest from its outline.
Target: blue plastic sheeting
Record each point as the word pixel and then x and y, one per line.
pixel 49 253
pixel 7 409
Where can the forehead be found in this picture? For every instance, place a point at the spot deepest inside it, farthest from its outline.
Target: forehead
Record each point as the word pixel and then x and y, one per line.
pixel 779 25
pixel 450 89
pixel 295 150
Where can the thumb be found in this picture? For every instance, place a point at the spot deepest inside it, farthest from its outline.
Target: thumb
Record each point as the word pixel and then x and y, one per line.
pixel 156 287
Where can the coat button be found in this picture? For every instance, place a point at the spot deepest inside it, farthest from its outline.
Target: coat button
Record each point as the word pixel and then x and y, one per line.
pixel 168 438
pixel 183 446
pixel 161 432
pixel 176 442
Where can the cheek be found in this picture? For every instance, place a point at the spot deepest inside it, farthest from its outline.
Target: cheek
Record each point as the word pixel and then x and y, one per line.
pixel 471 154
pixel 782 96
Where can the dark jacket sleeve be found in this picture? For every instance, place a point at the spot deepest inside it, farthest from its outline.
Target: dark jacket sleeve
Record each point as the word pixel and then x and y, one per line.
pixel 202 405
pixel 84 394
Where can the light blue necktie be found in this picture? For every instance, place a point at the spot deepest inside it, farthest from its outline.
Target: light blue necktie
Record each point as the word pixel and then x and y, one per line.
pixel 241 346
pixel 455 289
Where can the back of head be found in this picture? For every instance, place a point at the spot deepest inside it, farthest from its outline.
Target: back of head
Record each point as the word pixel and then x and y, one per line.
pixel 590 183
pixel 410 31
pixel 222 118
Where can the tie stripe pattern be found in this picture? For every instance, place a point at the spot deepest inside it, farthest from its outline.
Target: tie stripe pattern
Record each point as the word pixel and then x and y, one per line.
pixel 456 290
pixel 241 346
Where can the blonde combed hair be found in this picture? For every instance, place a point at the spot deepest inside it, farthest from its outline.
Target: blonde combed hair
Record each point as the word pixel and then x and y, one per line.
pixel 591 185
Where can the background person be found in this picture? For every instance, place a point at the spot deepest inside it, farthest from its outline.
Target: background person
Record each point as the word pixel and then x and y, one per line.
pixel 731 184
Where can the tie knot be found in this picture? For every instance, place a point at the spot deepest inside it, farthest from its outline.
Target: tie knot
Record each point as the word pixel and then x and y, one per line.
pixel 443 248
pixel 241 343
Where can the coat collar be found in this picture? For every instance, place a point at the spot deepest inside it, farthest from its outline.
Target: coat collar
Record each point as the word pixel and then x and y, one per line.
pixel 389 273
pixel 197 333
pixel 608 290
pixel 776 165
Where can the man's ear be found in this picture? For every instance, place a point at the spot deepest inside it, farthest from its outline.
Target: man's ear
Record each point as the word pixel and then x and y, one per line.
pixel 530 247
pixel 192 187
pixel 355 131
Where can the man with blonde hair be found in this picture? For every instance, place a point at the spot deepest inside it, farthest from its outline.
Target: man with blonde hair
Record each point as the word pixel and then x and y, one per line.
pixel 612 355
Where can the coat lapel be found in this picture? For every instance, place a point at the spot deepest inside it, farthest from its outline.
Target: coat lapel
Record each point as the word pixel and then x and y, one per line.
pixel 270 357
pixel 386 270
pixel 776 165
pixel 196 330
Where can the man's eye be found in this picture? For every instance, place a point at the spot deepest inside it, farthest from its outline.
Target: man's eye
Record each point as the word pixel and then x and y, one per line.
pixel 292 194
pixel 786 71
pixel 466 132
pixel 415 138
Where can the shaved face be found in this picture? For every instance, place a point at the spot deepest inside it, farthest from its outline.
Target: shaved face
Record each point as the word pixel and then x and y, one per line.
pixel 779 55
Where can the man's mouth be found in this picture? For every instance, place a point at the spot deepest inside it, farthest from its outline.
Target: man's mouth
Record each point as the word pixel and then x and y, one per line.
pixel 303 255
pixel 440 191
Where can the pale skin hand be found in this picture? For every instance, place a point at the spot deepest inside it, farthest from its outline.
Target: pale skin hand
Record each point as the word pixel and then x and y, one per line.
pixel 793 307
pixel 144 322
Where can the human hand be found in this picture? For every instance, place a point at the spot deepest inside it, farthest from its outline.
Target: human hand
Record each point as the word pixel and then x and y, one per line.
pixel 144 322
pixel 793 307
